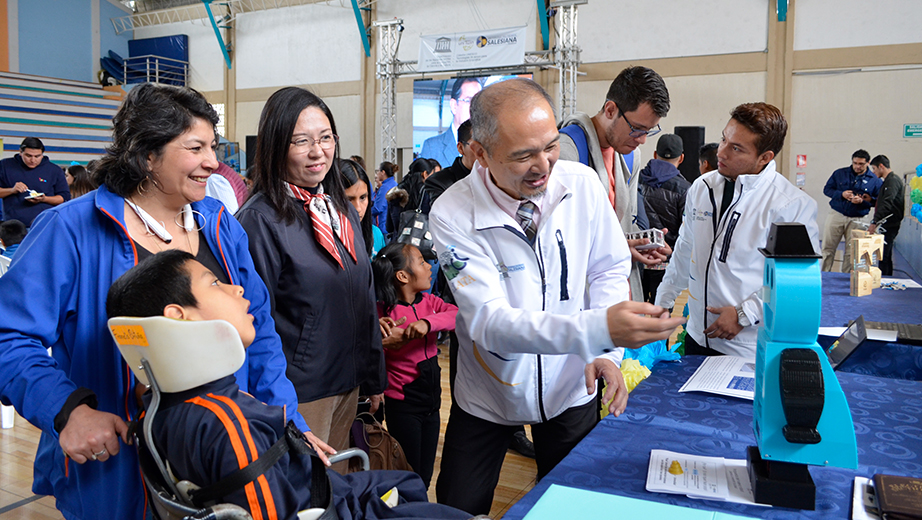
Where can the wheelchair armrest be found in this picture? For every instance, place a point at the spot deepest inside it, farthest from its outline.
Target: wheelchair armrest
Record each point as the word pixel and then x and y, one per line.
pixel 351 453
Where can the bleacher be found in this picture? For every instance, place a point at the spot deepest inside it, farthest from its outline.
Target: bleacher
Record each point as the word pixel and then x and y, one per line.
pixel 72 118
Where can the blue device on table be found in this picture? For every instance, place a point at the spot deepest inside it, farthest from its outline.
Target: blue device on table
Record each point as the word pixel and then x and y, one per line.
pixel 800 414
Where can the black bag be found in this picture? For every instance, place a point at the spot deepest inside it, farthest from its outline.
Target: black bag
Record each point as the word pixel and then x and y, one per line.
pixel 414 230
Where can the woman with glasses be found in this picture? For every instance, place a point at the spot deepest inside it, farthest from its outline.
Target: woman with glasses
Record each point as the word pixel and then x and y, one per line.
pixel 307 245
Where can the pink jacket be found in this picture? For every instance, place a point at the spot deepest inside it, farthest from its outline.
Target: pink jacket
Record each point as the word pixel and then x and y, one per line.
pixel 402 364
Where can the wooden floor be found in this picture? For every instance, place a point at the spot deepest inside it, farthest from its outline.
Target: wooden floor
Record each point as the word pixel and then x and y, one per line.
pixel 17 451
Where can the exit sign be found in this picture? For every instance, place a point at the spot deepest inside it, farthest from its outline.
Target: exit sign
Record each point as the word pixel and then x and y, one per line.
pixel 912 130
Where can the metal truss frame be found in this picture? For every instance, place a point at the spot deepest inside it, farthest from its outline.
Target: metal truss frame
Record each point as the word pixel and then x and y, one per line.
pixel 564 57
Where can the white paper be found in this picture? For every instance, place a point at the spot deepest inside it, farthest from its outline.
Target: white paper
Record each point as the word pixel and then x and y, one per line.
pixel 908 282
pixel 705 478
pixel 697 477
pixel 864 502
pixel 724 375
pixel 873 334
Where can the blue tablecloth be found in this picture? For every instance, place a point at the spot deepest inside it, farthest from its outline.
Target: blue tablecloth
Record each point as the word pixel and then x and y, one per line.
pixel 614 457
pixel 876 358
pixel 881 305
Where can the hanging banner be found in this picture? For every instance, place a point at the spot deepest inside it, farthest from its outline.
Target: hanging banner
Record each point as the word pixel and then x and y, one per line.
pixel 472 50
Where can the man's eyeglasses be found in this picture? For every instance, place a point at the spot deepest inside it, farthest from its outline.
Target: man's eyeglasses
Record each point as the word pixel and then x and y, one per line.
pixel 640 133
pixel 325 141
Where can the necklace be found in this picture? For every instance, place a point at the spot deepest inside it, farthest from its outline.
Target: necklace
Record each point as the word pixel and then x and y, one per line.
pixel 156 228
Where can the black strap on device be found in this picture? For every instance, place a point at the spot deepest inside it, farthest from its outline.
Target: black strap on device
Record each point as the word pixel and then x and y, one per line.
pixel 292 440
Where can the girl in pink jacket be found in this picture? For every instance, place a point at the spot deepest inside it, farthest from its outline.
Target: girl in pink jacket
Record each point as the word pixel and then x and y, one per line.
pixel 410 322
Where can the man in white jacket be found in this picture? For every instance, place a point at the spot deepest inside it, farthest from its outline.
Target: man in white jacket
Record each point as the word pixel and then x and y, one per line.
pixel 539 270
pixel 728 214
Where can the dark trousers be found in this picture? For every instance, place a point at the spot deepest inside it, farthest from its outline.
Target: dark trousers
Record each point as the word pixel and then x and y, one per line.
pixel 886 262
pixel 474 449
pixel 693 348
pixel 650 280
pixel 418 435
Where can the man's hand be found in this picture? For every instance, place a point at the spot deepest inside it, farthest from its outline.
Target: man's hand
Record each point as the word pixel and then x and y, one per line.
pixel 856 200
pixel 92 435
pixel 387 324
pixel 630 329
pixel 375 401
pixel 616 392
pixel 727 325
pixel 417 329
pixel 20 187
pixel 36 200
pixel 872 228
pixel 847 194
pixel 320 447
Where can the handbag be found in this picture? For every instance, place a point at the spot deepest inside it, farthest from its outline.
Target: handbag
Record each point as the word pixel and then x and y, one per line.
pixel 414 230
pixel 384 452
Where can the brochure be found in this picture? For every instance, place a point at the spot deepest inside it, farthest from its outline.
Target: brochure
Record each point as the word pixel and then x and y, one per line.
pixel 724 375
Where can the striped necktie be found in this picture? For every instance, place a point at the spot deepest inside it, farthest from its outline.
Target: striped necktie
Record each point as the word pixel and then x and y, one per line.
pixel 525 217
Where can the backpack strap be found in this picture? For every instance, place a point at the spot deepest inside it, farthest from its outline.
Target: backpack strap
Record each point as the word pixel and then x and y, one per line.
pixel 578 135
pixel 321 495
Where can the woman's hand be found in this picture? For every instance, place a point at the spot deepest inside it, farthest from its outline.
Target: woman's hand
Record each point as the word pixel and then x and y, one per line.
pixel 92 435
pixel 417 329
pixel 320 447
pixel 376 401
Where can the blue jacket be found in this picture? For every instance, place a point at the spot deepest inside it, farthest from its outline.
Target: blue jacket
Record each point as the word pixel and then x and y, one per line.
pixel 844 179
pixel 379 205
pixel 443 148
pixel 47 178
pixel 54 296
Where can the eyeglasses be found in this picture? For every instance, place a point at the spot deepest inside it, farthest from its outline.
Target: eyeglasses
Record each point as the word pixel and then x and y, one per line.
pixel 640 133
pixel 325 141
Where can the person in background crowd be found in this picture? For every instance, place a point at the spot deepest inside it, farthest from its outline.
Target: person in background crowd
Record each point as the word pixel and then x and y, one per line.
pixel 888 214
pixel 151 198
pixel 707 158
pixel 408 195
pixel 308 248
pixel 384 183
pixel 12 232
pixel 358 189
pixel 81 182
pixel 30 183
pixel 663 188
pixel 852 192
pixel 360 161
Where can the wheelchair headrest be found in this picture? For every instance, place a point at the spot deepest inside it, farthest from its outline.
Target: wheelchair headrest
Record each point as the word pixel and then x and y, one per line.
pixel 182 354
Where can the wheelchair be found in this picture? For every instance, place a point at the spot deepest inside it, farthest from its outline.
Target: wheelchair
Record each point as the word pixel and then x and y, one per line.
pixel 172 356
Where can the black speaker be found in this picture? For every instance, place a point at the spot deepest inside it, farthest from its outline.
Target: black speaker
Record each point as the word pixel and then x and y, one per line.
pixel 692 141
pixel 250 150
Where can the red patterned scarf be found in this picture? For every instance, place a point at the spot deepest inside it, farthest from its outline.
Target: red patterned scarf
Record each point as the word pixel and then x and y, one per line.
pixel 327 221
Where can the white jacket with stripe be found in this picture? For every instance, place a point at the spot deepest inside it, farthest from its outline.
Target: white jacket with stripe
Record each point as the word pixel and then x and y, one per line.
pixel 530 319
pixel 718 259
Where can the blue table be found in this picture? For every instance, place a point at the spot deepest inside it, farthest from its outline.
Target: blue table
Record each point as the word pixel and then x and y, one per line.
pixel 614 457
pixel 876 358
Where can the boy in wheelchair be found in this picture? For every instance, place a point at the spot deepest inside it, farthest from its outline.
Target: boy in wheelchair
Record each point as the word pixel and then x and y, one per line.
pixel 208 433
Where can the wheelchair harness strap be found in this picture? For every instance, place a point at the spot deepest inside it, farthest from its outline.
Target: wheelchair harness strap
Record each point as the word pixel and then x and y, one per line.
pixel 321 494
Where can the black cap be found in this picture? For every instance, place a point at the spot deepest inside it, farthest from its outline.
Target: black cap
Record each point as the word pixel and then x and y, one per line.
pixel 669 146
pixel 788 240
